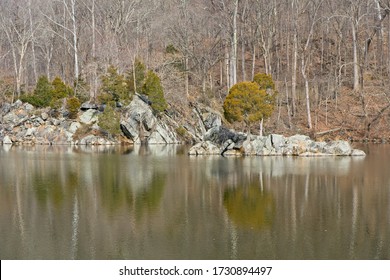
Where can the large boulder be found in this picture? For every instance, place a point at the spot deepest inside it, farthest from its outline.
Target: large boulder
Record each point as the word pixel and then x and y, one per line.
pixel 139 124
pixel 90 116
pixel 7 140
pixel 219 135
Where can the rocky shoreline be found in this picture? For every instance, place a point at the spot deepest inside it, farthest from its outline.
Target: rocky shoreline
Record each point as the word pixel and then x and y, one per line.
pixel 23 124
pixel 297 145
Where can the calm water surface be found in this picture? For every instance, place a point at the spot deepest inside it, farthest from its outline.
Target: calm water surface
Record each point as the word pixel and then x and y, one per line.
pixel 157 203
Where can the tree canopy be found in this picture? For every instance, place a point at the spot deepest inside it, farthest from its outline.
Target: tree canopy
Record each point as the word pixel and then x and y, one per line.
pixel 250 102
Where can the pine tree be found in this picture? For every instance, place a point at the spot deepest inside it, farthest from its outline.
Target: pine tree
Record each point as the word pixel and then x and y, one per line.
pixel 137 73
pixel 154 90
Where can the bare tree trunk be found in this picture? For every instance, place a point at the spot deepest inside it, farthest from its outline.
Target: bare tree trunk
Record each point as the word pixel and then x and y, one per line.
pixel 94 73
pixel 32 43
pixel 75 39
pixel 243 57
pixel 227 62
pixel 261 127
pixel 307 93
pixel 233 58
pixel 294 74
pixel 356 72
pixel 253 61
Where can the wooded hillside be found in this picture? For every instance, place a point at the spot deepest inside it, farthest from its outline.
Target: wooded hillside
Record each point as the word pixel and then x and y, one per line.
pixel 330 59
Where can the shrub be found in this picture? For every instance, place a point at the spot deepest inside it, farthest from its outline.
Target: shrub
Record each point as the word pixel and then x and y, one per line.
pixel 114 86
pixel 60 89
pixel 109 120
pixel 154 90
pixel 248 103
pixel 73 104
pixel 42 95
pixel 48 93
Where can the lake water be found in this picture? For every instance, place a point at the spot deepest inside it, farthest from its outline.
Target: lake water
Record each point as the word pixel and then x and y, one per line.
pixel 156 202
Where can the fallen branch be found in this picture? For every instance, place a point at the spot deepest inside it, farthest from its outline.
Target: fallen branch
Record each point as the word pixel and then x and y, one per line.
pixel 328 131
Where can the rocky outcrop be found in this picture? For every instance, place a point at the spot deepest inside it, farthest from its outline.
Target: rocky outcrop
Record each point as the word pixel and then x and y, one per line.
pixel 139 124
pixel 221 141
pixel 21 123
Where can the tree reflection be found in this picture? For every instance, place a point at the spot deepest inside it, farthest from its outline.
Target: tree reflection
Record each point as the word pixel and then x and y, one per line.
pixel 249 206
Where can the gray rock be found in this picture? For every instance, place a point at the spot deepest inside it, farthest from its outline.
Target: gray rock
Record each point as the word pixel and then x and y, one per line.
pixel 278 142
pixel 298 138
pixel 17 104
pixel 73 127
pixel 204 148
pixel 29 132
pixel 255 146
pixel 228 145
pixel 44 116
pixel 212 119
pixel 340 148
pixel 139 124
pixel 89 116
pixel 28 107
pixel 219 135
pixel 7 140
pixel 87 106
pixel 358 153
pixel 55 122
pixel 5 108
pixel 10 119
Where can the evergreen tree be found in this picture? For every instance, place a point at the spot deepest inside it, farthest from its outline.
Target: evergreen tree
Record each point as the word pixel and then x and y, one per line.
pixel 109 120
pixel 42 95
pixel 137 73
pixel 114 87
pixel 154 90
pixel 247 103
pixel 73 104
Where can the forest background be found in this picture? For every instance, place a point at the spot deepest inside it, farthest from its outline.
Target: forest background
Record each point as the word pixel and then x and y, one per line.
pixel 330 59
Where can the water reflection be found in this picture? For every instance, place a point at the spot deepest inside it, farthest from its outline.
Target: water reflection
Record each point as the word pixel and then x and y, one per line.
pixel 155 202
pixel 250 206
